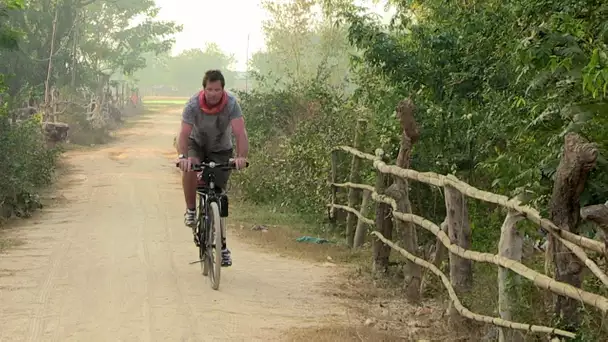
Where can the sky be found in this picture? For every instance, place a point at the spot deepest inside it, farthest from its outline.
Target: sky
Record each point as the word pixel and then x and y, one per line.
pixel 227 23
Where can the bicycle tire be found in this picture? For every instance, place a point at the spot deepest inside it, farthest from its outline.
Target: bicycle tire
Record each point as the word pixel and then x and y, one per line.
pixel 215 233
pixel 202 248
pixel 203 258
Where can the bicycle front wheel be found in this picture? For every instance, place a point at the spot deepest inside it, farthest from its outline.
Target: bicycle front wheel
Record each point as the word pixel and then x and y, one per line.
pixel 215 260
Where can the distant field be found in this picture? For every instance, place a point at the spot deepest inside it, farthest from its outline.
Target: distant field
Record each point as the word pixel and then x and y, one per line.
pixel 169 100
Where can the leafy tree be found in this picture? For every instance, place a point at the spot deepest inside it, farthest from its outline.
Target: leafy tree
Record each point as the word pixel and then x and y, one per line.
pixel 73 47
pixel 301 45
pixel 8 36
pixel 21 174
pixel 91 38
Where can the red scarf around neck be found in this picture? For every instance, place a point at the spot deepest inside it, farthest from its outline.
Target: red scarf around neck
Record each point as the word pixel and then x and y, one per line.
pixel 212 109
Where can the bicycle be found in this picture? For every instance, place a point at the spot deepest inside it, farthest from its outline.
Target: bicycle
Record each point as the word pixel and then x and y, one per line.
pixel 212 208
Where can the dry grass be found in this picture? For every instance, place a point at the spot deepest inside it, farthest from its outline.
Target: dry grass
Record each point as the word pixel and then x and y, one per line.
pixel 381 303
pixel 376 308
pixel 339 334
pixel 7 241
pixel 282 231
pixel 9 227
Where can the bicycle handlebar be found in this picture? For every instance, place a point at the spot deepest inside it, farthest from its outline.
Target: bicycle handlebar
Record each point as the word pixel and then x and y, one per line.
pixel 230 165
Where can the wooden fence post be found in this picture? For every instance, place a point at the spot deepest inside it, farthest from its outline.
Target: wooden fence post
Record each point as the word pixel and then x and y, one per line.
pixel 361 231
pixel 459 231
pixel 355 177
pixel 384 224
pixel 332 187
pixel 510 246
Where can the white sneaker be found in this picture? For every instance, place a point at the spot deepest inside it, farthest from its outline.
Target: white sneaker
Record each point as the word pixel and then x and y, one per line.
pixel 190 218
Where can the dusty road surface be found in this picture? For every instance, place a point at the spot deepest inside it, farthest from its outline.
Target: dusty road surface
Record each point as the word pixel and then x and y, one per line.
pixel 109 260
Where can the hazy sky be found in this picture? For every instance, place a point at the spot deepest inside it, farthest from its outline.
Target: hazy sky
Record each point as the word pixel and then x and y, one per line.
pixel 225 22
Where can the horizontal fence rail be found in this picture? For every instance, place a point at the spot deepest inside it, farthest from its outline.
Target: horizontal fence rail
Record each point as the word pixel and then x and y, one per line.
pixel 570 240
pixel 438 180
pixel 537 278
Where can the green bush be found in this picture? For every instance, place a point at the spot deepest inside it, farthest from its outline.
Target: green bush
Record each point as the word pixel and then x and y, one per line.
pixel 26 165
pixel 292 133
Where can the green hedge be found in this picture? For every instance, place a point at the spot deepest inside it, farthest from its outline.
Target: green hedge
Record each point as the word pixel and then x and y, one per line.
pixel 26 165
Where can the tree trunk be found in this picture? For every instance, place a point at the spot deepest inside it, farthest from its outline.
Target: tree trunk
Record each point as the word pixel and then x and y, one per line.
pixel 48 110
pixel 384 225
pixel 578 158
pixel 99 118
pixel 354 195
pixel 74 45
pixel 400 192
pixel 122 96
pixel 509 246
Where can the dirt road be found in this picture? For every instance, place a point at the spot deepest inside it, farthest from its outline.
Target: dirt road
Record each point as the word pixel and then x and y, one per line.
pixel 109 261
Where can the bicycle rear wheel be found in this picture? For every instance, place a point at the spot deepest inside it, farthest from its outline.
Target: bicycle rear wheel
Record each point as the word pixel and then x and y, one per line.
pixel 214 261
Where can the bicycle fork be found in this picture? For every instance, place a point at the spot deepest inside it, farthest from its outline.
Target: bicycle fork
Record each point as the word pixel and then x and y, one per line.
pixel 196 233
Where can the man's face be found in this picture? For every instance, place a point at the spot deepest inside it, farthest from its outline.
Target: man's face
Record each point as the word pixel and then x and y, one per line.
pixel 213 92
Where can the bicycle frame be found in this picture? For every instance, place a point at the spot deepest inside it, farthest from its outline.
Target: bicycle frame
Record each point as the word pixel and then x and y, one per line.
pixel 207 194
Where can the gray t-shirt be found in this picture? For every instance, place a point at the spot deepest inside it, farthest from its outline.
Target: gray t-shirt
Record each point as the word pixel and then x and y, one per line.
pixel 212 132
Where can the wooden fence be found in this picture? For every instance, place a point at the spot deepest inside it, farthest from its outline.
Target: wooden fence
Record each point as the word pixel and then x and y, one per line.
pixel 394 202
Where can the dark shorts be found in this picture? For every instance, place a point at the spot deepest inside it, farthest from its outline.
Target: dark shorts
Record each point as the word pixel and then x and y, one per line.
pixel 221 176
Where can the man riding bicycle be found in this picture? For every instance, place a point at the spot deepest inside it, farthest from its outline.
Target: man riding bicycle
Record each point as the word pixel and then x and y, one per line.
pixel 209 119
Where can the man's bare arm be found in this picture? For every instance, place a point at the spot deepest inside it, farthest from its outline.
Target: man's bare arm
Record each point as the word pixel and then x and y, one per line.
pixel 240 134
pixel 182 140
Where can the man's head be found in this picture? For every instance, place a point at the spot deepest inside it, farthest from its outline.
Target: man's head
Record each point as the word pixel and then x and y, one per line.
pixel 213 83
